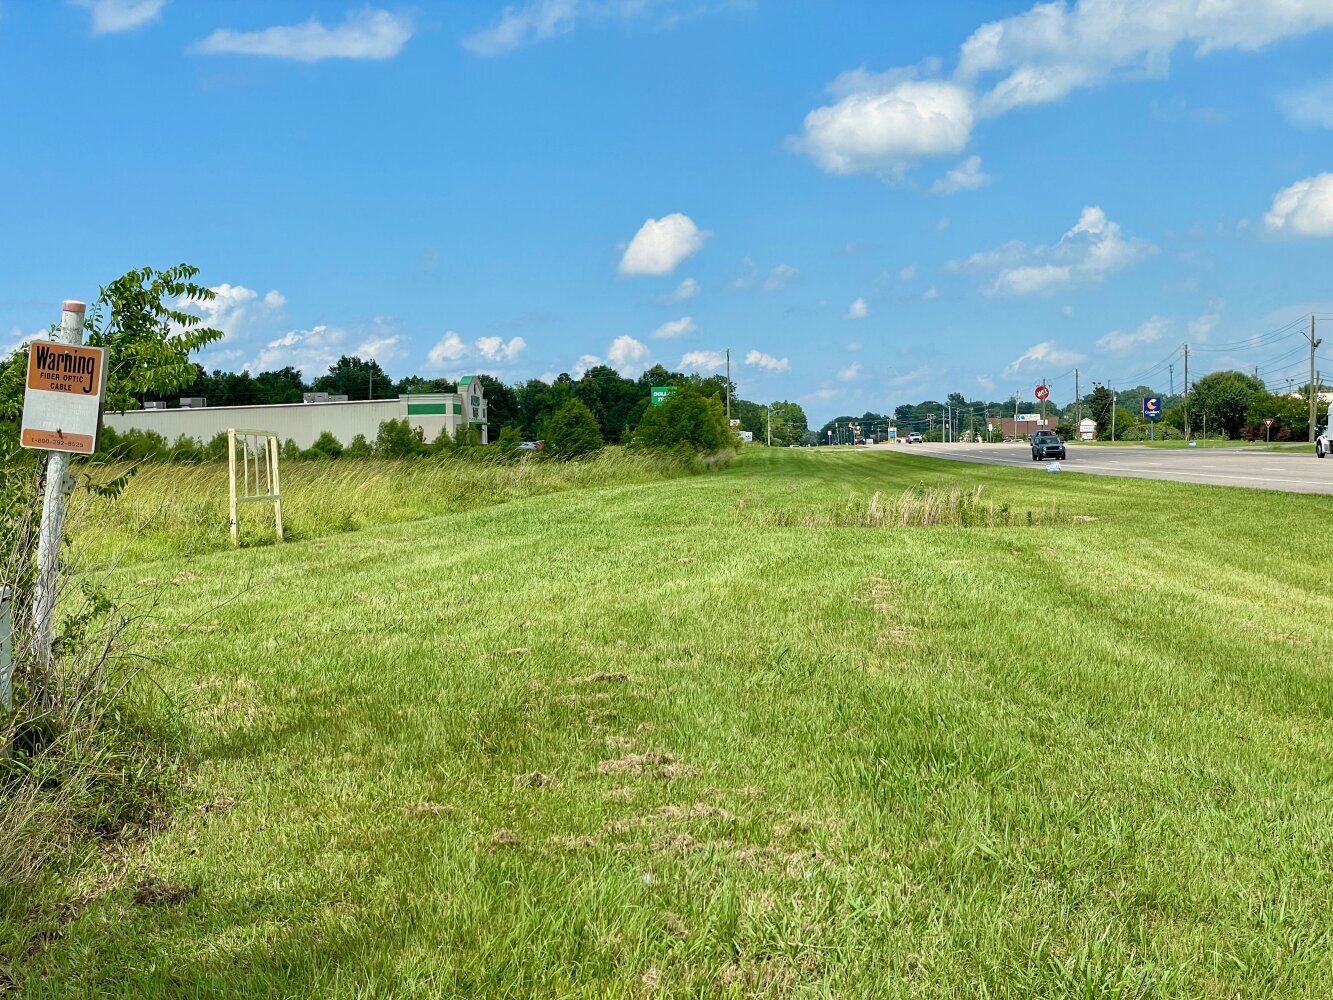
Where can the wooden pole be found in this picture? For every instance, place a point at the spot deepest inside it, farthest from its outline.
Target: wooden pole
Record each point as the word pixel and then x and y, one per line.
pixel 277 486
pixel 59 482
pixel 231 479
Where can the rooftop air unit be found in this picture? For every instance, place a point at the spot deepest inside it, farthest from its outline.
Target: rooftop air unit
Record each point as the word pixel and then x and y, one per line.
pixel 193 402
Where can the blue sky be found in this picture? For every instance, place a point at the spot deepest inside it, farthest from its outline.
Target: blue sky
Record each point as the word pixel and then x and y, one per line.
pixel 868 203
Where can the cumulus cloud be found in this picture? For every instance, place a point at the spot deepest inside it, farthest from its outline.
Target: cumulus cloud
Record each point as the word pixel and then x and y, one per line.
pixel 110 16
pixel 851 373
pixel 661 244
pixel 448 349
pixel 858 309
pixel 1149 333
pixel 1093 248
pixel 780 277
pixel 314 350
pixel 986 382
pixel 1044 353
pixel 967 176
pixel 364 34
pixel 239 312
pixel 687 289
pixel 1303 209
pixel 497 349
pixel 766 361
pixel 627 355
pixel 931 293
pixel 682 327
pixel 908 273
pixel 703 360
pixel 854 346
pixel 883 123
pixel 1201 327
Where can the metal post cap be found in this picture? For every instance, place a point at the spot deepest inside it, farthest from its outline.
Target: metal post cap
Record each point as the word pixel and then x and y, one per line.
pixel 72 306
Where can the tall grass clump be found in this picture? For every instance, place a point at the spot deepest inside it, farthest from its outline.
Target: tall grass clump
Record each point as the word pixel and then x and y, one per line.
pixel 84 758
pixel 918 507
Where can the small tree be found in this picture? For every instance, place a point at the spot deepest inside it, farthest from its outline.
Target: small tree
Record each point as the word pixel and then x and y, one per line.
pixel 688 419
pixel 325 446
pixel 359 448
pixel 572 431
pixel 399 439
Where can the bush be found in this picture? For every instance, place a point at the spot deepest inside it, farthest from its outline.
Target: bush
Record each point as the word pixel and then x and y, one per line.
pixel 325 446
pixel 216 449
pixel 508 442
pixel 359 448
pixel 687 419
pixel 572 431
pixel 290 452
pixel 399 439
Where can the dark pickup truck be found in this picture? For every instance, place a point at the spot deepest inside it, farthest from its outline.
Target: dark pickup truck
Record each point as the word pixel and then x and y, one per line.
pixel 1047 444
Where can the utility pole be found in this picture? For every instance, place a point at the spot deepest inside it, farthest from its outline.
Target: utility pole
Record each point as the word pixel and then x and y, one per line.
pixel 728 386
pixel 1113 409
pixel 1172 370
pixel 1314 342
pixel 1079 399
pixel 770 424
pixel 1186 387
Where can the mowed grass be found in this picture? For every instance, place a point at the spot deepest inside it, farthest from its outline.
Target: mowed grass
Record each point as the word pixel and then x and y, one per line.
pixel 656 740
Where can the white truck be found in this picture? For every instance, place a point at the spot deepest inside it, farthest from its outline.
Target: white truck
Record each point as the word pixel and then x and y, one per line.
pixel 1323 443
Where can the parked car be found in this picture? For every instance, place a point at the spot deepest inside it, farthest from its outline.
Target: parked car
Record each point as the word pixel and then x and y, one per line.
pixel 1047 444
pixel 1323 444
pixel 531 445
pixel 914 437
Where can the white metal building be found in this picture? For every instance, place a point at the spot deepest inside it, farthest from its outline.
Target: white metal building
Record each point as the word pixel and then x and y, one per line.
pixel 303 422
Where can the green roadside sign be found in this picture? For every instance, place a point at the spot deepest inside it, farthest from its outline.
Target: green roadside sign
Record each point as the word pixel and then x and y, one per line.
pixel 661 392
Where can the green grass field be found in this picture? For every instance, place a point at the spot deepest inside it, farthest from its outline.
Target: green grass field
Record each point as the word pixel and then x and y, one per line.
pixel 664 740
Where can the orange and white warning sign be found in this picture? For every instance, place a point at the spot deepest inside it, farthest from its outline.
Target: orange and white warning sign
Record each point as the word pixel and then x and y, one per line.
pixel 63 402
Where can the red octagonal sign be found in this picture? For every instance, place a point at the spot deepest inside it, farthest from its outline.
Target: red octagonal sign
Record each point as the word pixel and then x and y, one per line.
pixel 1043 392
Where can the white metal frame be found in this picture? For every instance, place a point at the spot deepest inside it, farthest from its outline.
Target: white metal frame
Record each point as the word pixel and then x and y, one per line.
pixel 253 445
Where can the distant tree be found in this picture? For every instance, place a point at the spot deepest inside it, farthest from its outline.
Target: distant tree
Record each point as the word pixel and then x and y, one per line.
pixel 689 419
pixel 356 379
pixel 359 448
pixel 399 439
pixel 282 386
pixel 572 431
pixel 501 404
pixel 508 441
pixel 1100 403
pixel 416 383
pixel 1225 397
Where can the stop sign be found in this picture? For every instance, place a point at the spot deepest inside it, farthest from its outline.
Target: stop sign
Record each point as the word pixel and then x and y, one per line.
pixel 1043 392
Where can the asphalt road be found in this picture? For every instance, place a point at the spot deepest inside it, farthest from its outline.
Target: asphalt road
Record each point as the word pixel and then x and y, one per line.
pixel 1292 471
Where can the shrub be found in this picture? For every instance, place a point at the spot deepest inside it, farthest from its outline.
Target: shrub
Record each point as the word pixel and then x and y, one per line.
pixel 216 449
pixel 325 446
pixel 399 439
pixel 359 448
pixel 290 452
pixel 572 431
pixel 687 419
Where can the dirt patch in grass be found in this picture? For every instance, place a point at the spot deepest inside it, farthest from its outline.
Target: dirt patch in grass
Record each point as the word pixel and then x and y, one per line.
pixel 660 765
pixel 153 891
pixel 535 779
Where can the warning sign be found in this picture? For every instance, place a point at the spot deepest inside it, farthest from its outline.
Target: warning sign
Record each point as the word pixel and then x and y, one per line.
pixel 63 401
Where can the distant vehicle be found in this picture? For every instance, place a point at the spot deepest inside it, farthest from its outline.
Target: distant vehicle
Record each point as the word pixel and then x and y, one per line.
pixel 1047 444
pixel 1323 444
pixel 914 437
pixel 531 445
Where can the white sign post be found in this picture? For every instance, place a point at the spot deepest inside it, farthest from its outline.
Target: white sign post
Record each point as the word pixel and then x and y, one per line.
pixel 61 409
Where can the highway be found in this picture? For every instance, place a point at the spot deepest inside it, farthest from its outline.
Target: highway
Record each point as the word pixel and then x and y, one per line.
pixel 1291 471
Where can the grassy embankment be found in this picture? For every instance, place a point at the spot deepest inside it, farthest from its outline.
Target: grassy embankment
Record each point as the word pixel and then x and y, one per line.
pixel 664 739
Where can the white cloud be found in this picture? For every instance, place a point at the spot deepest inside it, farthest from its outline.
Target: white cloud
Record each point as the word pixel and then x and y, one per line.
pixel 858 309
pixel 766 361
pixel 309 351
pixel 931 293
pixel 627 355
pixel 661 244
pixel 1044 353
pixel 881 124
pixel 1201 327
pixel 942 224
pixel 915 376
pixel 1092 249
pixel 908 273
pixel 523 24
pixel 854 346
pixel 1309 107
pixel 780 277
pixel 687 289
pixel 851 373
pixel 1149 333
pixel 703 360
pixel 381 349
pixel 1029 280
pixel 1303 209
pixel 448 349
pixel 110 16
pixel 234 309
pixel 967 176
pixel 682 327
pixel 748 277
pixel 986 382
pixel 364 34
pixel 496 349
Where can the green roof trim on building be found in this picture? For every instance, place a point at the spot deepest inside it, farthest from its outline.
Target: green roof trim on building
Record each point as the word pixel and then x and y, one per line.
pixel 466 380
